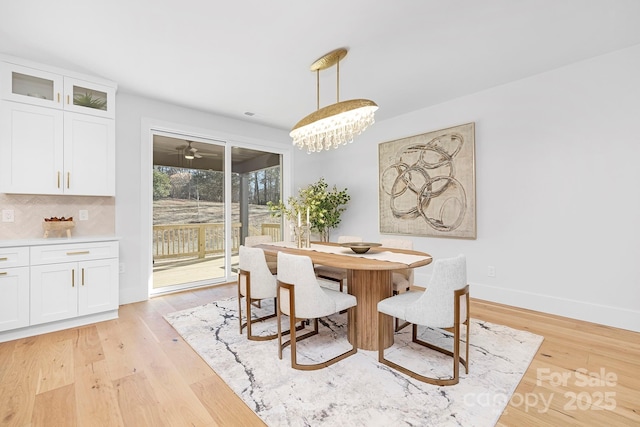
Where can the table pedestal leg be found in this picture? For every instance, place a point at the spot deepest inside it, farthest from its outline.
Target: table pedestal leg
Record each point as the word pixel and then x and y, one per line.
pixel 370 287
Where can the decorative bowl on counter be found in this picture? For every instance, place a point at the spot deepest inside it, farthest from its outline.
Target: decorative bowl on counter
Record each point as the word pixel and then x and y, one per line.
pixel 59 226
pixel 360 247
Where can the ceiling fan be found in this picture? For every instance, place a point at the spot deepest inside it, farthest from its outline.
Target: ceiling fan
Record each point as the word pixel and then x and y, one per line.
pixel 189 152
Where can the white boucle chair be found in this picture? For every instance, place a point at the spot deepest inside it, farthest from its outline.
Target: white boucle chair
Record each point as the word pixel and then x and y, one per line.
pixel 402 279
pixel 255 283
pixel 301 297
pixel 336 274
pixel 443 305
pixel 266 239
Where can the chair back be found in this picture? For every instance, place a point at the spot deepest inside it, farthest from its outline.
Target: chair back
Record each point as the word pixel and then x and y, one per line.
pixel 407 273
pixel 257 240
pixel 263 284
pixel 397 243
pixel 436 305
pixel 310 301
pixel 347 239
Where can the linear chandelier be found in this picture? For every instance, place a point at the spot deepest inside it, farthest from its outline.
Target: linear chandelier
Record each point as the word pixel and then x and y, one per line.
pixel 336 124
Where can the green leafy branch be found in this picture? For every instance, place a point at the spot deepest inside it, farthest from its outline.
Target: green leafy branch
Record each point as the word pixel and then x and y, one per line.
pixel 325 205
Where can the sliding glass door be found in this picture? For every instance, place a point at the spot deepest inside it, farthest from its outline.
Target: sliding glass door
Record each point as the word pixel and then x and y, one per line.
pixel 204 205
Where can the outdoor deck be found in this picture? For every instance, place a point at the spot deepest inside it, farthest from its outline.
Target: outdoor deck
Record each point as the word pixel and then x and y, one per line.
pixel 175 272
pixel 191 253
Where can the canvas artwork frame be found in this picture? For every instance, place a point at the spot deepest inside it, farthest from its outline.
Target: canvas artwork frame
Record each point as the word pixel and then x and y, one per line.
pixel 427 184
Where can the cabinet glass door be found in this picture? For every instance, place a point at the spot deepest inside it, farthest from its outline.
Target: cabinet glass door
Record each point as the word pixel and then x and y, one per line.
pixel 23 84
pixel 32 86
pixel 89 98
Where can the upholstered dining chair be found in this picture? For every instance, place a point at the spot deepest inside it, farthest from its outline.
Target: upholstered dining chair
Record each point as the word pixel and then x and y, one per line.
pixel 335 274
pixel 402 279
pixel 272 262
pixel 443 305
pixel 300 297
pixel 255 283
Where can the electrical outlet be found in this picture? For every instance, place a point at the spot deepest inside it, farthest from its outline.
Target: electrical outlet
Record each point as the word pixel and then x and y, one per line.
pixel 7 215
pixel 491 271
pixel 84 215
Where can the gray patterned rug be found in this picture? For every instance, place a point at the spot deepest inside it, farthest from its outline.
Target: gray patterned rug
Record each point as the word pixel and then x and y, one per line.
pixel 358 391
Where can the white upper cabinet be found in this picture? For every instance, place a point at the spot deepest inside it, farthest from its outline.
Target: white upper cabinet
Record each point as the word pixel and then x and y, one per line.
pixel 31 149
pixel 89 155
pixel 57 132
pixel 47 89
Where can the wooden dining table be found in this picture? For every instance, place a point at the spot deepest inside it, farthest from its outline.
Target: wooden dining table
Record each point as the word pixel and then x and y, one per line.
pixel 368 279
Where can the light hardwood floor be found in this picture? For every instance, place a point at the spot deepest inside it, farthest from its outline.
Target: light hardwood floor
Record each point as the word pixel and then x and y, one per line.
pixel 137 371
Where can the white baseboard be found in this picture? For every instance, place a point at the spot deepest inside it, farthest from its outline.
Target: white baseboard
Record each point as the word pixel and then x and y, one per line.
pixel 131 295
pixel 581 310
pixel 44 328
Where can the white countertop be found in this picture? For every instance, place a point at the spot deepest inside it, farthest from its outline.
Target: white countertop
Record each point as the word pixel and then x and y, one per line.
pixel 55 241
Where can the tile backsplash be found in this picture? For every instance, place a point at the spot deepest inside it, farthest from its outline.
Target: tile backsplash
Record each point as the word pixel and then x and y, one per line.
pixel 29 212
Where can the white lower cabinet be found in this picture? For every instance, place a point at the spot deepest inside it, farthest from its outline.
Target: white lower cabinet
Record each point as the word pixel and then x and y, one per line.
pixel 14 288
pixel 14 304
pixel 53 293
pixel 62 290
pixel 48 287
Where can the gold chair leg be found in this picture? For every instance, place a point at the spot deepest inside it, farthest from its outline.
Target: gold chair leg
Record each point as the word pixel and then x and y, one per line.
pixel 240 306
pixel 294 339
pixel 454 379
pixel 249 302
pixel 399 326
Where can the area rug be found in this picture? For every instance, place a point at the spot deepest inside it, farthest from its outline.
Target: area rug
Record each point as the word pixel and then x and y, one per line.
pixel 358 391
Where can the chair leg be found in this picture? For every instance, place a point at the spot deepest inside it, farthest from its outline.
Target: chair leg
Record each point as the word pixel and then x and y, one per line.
pixel 294 339
pixel 399 326
pixel 292 321
pixel 249 302
pixel 454 379
pixel 240 306
pixel 468 322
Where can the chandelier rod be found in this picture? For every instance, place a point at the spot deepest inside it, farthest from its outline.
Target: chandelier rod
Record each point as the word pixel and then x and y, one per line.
pixel 338 81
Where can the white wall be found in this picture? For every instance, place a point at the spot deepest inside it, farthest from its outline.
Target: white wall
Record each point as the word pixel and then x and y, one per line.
pixel 557 177
pixel 133 115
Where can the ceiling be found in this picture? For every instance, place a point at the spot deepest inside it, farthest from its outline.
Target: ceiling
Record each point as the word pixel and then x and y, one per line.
pixel 170 151
pixel 234 57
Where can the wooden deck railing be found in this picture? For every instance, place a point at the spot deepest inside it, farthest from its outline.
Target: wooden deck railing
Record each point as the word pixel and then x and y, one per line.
pixel 272 230
pixel 192 240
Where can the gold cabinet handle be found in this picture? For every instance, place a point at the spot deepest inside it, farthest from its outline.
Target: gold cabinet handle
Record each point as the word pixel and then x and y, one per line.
pixel 78 253
pixel 58 179
pixel 3 273
pixel 58 96
pixel 67 99
pixel 68 179
pixel 73 278
pixel 83 277
pixel 4 258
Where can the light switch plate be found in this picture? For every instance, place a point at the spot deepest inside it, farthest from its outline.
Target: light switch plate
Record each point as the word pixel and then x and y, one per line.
pixel 7 215
pixel 84 215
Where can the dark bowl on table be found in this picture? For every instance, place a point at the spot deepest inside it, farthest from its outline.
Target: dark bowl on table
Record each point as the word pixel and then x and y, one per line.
pixel 360 247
